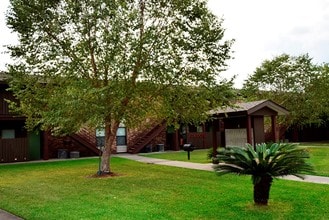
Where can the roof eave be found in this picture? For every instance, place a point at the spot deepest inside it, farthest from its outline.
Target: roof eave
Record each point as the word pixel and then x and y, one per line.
pixel 270 104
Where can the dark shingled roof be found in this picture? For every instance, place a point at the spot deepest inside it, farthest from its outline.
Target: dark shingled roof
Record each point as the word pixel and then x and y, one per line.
pixel 250 107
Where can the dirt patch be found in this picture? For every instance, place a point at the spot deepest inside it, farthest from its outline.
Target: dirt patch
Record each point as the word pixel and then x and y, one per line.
pixel 104 175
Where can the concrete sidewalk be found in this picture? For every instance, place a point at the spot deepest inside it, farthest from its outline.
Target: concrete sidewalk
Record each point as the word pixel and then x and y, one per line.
pixel 209 167
pixel 8 216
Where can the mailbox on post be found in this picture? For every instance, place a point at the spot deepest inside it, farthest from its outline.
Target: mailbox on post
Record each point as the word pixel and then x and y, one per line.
pixel 188 148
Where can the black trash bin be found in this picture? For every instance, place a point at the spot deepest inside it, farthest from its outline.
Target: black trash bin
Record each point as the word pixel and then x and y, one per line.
pixel 160 147
pixel 62 153
pixel 74 154
pixel 148 148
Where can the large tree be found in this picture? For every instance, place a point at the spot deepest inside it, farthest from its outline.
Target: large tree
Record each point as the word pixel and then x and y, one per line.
pixel 92 62
pixel 317 93
pixel 294 82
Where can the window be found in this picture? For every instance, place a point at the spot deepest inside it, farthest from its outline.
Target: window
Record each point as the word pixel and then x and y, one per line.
pixel 121 131
pixel 100 132
pixel 121 136
pixel 8 134
pixel 100 137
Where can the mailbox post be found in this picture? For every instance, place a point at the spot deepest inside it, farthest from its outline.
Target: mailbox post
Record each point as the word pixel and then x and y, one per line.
pixel 188 148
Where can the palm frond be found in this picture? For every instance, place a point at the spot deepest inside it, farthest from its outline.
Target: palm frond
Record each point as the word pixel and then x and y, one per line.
pixel 275 159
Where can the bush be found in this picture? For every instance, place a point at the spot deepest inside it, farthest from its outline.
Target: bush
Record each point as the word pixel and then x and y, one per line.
pixel 264 162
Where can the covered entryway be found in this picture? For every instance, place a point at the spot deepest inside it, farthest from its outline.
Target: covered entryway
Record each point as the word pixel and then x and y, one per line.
pixel 245 123
pixel 233 126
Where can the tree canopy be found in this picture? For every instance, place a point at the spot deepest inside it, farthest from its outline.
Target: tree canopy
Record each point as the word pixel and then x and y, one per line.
pixel 294 82
pixel 103 62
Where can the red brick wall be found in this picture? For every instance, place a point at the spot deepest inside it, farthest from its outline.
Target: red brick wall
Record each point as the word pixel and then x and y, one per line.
pixel 134 134
pixel 58 143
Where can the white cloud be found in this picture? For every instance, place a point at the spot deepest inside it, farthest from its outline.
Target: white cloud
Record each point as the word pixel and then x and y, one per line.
pixel 6 37
pixel 266 28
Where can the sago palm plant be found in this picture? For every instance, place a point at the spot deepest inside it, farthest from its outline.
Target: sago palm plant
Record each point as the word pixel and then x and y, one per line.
pixel 264 162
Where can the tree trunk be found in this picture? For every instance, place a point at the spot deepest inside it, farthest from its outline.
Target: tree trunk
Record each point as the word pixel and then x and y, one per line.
pixel 111 128
pixel 262 190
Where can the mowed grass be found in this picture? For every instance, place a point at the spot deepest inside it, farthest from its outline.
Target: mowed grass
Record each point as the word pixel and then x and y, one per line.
pixel 320 160
pixel 65 190
pixel 319 156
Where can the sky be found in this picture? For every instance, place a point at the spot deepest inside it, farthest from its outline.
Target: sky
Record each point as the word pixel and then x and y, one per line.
pixel 262 29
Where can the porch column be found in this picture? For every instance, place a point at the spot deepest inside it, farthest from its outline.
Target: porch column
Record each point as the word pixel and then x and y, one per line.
pixel 214 137
pixel 204 136
pixel 274 131
pixel 45 146
pixel 249 134
pixel 176 140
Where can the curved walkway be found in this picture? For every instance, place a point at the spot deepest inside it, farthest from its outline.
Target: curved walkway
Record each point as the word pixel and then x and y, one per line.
pixel 8 216
pixel 209 167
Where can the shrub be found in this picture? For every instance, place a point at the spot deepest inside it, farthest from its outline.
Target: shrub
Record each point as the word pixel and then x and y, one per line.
pixel 264 162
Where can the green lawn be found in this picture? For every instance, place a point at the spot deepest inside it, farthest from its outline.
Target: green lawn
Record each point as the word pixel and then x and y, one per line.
pixel 64 190
pixel 319 156
pixel 315 144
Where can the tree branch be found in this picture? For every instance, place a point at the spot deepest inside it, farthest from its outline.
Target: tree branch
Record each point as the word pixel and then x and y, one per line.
pixel 141 34
pixel 92 53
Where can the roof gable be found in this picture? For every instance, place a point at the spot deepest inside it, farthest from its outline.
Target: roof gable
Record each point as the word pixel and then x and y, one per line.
pixel 252 107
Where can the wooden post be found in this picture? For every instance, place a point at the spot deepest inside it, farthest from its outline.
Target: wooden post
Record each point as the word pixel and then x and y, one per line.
pixel 204 134
pixel 176 140
pixel 274 131
pixel 45 146
pixel 221 129
pixel 214 137
pixel 249 130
